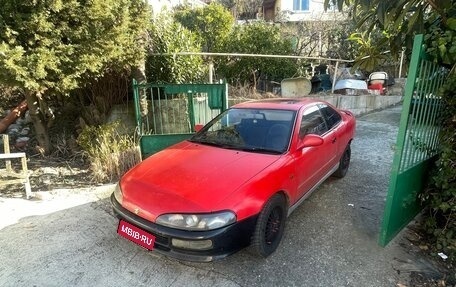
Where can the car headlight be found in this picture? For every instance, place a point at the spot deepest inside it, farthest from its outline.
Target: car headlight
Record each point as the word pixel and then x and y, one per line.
pixel 118 193
pixel 207 221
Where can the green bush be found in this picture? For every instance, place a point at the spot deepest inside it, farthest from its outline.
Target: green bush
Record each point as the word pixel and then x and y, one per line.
pixel 257 38
pixel 110 153
pixel 440 222
pixel 168 36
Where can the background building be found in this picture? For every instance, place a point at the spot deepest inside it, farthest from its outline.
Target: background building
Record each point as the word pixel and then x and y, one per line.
pixel 299 10
pixel 160 5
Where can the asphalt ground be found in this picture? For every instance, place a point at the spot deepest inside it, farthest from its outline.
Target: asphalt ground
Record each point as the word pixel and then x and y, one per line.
pixel 69 238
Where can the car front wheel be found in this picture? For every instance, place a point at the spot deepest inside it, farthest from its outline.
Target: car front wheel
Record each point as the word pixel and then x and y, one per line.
pixel 270 226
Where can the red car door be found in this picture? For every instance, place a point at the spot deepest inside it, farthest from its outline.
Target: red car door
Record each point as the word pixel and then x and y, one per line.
pixel 336 129
pixel 313 163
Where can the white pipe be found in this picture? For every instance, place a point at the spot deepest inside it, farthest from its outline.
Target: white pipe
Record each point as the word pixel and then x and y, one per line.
pixel 249 55
pixel 402 61
pixel 335 77
pixel 211 71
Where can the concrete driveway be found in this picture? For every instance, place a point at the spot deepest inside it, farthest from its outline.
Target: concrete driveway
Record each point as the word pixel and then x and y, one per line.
pixel 331 240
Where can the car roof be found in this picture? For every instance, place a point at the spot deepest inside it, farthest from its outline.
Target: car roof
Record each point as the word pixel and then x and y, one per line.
pixel 278 103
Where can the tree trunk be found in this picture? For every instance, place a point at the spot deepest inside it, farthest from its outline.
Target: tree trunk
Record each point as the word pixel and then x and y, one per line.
pixel 139 74
pixel 39 122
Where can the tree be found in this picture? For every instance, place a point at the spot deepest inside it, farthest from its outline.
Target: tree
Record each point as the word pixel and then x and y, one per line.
pixel 321 38
pixel 168 36
pixel 257 38
pixel 49 48
pixel 212 24
pixel 400 20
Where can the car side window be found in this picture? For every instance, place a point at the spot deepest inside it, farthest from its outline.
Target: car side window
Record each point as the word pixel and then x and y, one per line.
pixel 332 117
pixel 312 122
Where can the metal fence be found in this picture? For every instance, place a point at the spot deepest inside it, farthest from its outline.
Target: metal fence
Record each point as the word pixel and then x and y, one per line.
pixel 174 111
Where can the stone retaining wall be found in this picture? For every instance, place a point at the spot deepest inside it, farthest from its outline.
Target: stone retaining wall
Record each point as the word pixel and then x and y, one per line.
pixel 362 104
pixel 357 104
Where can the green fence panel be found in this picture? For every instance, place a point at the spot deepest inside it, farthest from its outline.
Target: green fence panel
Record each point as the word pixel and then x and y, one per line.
pixel 150 144
pixel 174 110
pixel 417 142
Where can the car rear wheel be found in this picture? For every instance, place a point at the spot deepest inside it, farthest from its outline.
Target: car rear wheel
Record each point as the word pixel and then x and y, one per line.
pixel 344 163
pixel 270 226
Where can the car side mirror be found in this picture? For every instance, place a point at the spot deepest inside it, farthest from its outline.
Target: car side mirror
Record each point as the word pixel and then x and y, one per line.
pixel 311 140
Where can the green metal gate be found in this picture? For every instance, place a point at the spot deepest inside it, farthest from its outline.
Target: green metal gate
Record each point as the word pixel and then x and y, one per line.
pixel 174 111
pixel 417 142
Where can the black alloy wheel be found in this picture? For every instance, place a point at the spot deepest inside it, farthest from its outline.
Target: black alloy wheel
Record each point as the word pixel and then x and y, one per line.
pixel 270 226
pixel 344 163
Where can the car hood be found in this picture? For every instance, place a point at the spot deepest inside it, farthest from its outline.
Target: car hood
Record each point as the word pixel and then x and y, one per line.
pixel 189 178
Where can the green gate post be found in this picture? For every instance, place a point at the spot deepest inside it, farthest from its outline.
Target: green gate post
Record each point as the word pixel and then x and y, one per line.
pixel 191 111
pixel 138 117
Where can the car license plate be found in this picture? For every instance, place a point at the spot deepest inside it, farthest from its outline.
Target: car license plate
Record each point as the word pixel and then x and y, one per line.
pixel 135 234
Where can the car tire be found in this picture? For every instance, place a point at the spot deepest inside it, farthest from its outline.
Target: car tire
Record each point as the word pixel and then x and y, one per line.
pixel 270 226
pixel 344 163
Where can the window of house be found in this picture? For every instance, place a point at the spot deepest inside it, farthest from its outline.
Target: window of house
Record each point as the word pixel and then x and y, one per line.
pixel 301 5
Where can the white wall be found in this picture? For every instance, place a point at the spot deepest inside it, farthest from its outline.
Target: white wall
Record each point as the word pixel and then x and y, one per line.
pixel 159 5
pixel 314 5
pixel 316 12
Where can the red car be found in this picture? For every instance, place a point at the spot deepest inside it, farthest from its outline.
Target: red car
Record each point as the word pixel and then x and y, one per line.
pixel 234 182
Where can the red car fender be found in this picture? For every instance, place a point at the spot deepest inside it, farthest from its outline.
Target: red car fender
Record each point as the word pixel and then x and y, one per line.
pixel 250 198
pixel 349 123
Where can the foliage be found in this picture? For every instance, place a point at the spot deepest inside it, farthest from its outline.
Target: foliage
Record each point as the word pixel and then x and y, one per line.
pixel 111 154
pixel 168 36
pixel 375 56
pixel 400 20
pixel 441 35
pixel 95 101
pixel 257 38
pixel 9 98
pixel 337 38
pixel 314 37
pixel 243 9
pixel 48 48
pixel 212 24
pixel 441 197
pixel 57 45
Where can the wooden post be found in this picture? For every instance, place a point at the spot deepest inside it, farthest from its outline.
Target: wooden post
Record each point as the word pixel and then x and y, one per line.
pixel 6 150
pixel 28 188
pixel 23 177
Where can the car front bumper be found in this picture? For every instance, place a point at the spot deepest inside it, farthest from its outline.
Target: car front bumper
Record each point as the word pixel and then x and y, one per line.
pixel 225 240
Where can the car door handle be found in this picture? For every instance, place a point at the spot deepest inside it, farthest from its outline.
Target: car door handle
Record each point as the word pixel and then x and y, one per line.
pixel 334 140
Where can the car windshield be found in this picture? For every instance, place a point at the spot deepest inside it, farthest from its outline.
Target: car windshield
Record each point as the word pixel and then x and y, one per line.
pixel 255 130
